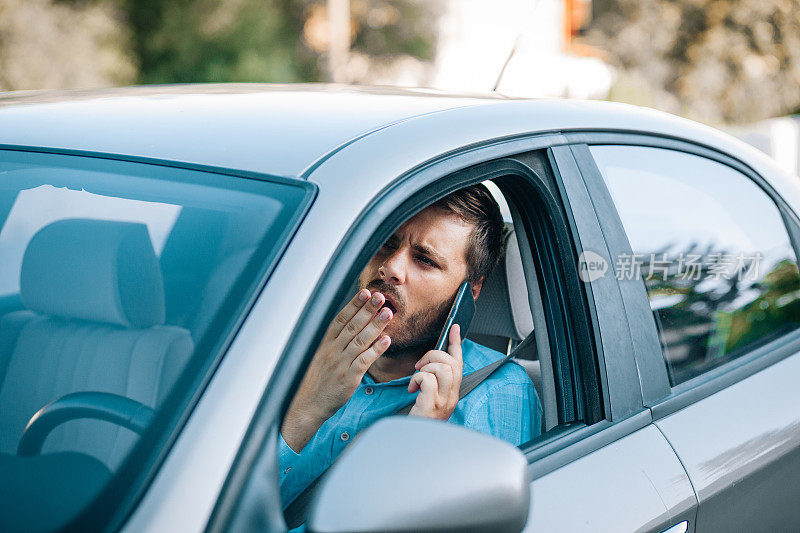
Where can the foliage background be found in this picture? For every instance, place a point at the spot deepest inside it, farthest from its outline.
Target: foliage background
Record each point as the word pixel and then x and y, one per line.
pixel 717 61
pixel 95 43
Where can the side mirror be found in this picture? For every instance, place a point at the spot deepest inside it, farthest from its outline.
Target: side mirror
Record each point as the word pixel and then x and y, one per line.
pixel 413 474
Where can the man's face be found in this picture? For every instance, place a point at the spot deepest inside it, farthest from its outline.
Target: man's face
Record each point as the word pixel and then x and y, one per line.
pixel 419 270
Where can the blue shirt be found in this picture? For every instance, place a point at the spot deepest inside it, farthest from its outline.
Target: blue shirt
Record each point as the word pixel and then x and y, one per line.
pixel 504 405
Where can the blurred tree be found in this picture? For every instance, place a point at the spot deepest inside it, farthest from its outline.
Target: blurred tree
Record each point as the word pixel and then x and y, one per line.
pixel 268 41
pixel 219 40
pixel 46 45
pixel 713 60
pixel 383 28
pixel 92 43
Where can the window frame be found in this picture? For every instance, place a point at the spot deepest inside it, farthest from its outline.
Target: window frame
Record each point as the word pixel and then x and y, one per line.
pixel 251 488
pixel 662 398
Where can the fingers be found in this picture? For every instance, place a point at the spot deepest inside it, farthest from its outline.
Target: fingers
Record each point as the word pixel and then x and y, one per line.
pixel 454 339
pixel 434 356
pixel 425 382
pixel 365 359
pixel 453 354
pixel 367 336
pixel 444 377
pixel 347 313
pixel 362 317
pixel 438 383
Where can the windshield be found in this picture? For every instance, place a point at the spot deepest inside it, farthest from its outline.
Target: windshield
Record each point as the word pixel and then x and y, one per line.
pixel 119 284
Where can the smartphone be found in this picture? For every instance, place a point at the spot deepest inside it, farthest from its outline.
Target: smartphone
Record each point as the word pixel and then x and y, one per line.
pixel 460 313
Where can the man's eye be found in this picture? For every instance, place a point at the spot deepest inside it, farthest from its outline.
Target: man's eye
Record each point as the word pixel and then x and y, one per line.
pixel 428 261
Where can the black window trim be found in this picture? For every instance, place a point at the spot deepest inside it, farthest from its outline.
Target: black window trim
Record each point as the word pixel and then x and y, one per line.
pixel 717 379
pixel 245 496
pixel 543 233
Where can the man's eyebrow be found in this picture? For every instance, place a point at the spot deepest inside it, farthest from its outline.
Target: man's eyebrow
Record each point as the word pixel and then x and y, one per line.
pixel 430 252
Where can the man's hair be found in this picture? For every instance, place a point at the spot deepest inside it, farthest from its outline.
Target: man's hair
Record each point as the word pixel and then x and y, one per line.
pixel 476 206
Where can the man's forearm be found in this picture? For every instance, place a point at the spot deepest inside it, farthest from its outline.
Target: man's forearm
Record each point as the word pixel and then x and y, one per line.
pixel 351 344
pixel 299 426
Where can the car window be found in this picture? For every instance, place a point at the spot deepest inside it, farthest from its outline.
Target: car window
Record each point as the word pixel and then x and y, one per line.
pixel 712 248
pixel 115 280
pixel 414 276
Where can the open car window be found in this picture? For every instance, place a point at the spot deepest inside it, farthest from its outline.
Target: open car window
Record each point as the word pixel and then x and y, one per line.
pixel 537 244
pixel 118 283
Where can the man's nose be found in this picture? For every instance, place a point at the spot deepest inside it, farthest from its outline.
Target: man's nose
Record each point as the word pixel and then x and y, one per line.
pixel 393 270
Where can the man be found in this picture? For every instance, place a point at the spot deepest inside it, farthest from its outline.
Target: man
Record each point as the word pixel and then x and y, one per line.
pixel 376 356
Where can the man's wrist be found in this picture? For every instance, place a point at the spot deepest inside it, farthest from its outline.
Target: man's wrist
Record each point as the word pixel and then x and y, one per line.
pixel 299 426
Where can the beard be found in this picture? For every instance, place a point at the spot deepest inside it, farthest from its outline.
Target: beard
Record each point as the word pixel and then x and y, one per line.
pixel 419 331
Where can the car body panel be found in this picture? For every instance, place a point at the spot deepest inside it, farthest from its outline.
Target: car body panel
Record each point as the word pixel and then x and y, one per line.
pixel 634 484
pixel 741 448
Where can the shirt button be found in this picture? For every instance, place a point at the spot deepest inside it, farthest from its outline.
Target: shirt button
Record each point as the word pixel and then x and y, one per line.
pixel 369 390
pixel 344 436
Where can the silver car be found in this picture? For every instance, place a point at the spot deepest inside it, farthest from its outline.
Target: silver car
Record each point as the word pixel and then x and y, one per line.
pixel 170 257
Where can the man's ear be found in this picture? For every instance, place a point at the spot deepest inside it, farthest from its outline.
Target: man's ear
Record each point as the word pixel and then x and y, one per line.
pixel 476 288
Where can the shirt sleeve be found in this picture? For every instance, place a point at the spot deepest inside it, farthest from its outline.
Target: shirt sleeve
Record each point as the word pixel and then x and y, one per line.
pixel 509 411
pixel 299 470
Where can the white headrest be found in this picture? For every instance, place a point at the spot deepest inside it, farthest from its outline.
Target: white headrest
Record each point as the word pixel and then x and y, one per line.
pixel 97 270
pixel 517 289
pixel 502 308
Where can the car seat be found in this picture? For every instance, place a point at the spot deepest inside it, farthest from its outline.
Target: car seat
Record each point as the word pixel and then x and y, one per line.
pixel 93 322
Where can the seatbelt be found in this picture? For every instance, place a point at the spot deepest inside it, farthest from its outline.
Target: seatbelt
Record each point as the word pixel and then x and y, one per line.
pixel 470 381
pixel 295 513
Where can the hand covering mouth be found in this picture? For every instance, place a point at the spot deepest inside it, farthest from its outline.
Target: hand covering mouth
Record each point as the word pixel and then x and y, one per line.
pixel 390 304
pixel 391 301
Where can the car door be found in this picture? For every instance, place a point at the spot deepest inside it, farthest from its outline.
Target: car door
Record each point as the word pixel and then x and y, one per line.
pixel 604 466
pixel 730 340
pixel 620 474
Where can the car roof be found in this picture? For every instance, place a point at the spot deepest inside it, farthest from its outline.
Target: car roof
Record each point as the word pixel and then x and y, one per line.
pixel 274 129
pixel 289 130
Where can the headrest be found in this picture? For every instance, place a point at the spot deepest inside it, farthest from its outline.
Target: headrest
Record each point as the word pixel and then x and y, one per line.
pixel 98 270
pixel 502 308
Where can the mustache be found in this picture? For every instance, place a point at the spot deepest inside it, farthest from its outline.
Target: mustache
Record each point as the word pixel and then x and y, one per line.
pixel 387 290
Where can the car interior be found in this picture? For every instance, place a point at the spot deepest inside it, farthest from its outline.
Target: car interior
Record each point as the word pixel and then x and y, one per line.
pixel 504 318
pixel 100 317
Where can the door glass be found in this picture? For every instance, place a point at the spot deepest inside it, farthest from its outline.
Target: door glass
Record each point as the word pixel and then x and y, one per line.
pixel 713 251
